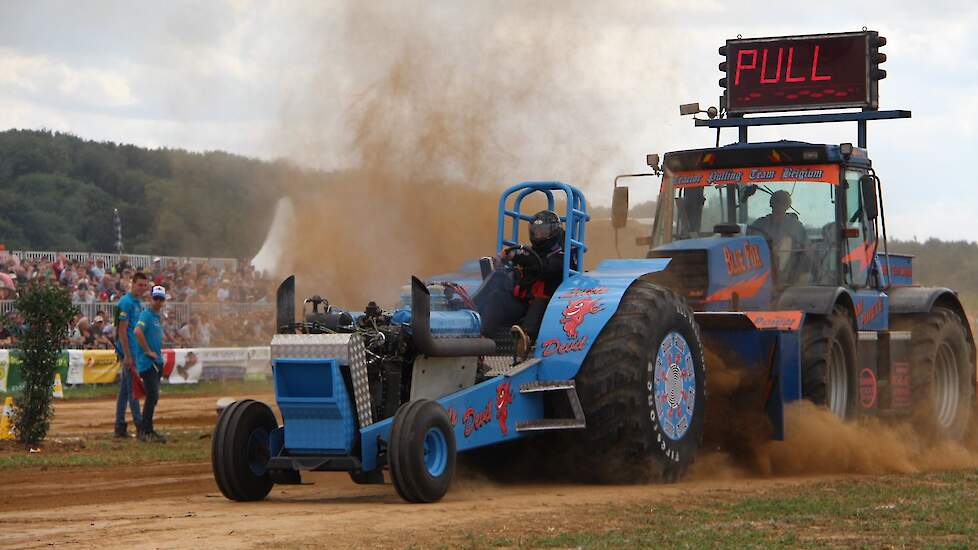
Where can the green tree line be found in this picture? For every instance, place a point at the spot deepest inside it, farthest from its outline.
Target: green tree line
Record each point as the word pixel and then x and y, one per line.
pixel 58 192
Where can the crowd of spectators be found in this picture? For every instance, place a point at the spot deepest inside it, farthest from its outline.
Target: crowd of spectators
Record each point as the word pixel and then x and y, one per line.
pixel 203 290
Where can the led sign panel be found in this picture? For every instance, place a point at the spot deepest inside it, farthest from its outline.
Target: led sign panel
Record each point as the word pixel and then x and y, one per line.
pixel 801 72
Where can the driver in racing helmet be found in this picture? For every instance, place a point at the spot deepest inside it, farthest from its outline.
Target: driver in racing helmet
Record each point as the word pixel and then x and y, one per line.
pixel 537 272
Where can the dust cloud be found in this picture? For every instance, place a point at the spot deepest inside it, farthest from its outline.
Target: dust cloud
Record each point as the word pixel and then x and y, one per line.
pixel 447 106
pixel 819 443
pixel 738 442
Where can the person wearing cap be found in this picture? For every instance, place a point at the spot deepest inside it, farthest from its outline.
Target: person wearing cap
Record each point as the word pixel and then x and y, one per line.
pixel 129 308
pixel 149 360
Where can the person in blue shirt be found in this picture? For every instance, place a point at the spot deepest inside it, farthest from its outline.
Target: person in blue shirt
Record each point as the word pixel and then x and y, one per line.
pixel 128 310
pixel 149 360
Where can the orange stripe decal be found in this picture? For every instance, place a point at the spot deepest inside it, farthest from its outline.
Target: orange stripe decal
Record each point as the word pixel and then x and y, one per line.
pixel 745 289
pixel 863 253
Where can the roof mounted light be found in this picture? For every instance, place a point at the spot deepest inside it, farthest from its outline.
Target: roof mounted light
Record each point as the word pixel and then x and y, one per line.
pixel 694 109
pixel 652 159
pixel 846 150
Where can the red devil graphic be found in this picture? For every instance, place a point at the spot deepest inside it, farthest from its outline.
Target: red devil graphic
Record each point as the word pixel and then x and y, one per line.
pixel 575 312
pixel 503 400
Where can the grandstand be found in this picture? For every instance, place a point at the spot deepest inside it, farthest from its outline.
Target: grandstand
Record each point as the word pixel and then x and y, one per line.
pixel 225 300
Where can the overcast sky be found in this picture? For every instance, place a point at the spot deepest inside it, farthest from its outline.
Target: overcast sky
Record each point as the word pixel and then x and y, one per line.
pixel 578 91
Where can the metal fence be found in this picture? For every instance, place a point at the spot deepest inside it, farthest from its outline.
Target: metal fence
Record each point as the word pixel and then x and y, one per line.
pixel 136 260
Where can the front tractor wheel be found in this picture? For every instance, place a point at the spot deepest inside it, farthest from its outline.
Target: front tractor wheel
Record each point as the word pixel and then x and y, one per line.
pixel 421 451
pixel 828 359
pixel 643 391
pixel 240 450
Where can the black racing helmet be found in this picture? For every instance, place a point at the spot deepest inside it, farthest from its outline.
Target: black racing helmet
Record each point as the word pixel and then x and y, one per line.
pixel 545 227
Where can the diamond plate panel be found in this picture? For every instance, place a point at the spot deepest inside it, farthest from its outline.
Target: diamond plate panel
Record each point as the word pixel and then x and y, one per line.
pixel 335 346
pixel 361 384
pixel 498 364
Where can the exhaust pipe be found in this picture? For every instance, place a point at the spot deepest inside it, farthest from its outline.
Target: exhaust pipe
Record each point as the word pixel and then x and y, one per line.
pixel 439 347
pixel 285 305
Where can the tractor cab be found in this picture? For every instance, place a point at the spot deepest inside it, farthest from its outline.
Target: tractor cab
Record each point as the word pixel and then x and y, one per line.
pixel 789 214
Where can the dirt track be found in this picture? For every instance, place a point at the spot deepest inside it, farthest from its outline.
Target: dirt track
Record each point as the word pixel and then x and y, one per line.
pixel 178 505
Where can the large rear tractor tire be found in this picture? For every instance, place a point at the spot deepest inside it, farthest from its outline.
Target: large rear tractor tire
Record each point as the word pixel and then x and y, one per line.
pixel 828 362
pixel 421 451
pixel 942 374
pixel 240 450
pixel 643 391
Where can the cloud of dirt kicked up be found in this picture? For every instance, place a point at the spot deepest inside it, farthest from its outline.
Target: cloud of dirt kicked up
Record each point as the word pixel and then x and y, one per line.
pixel 444 107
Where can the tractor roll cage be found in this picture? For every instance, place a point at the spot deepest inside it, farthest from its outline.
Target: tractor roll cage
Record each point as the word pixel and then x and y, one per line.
pixel 575 217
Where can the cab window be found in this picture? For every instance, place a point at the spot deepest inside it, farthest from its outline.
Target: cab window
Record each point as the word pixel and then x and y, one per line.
pixel 860 248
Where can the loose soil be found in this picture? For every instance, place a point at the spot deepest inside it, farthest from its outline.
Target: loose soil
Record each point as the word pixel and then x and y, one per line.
pixel 177 505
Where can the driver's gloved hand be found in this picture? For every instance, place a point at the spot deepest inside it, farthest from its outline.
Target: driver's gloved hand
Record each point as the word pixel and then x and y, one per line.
pixel 522 257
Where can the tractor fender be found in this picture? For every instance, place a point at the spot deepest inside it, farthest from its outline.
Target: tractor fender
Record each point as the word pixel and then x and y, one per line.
pixel 816 300
pixel 908 300
pixel 579 310
pixel 920 299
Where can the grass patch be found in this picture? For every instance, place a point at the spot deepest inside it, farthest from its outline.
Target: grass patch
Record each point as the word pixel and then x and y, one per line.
pixel 182 446
pixel 937 510
pixel 210 387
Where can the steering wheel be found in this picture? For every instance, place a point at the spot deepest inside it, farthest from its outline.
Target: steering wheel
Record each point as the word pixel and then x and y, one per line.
pixel 534 261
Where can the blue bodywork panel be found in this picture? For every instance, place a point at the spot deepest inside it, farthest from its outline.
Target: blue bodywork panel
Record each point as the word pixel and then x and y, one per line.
pixel 461 322
pixel 901 266
pixel 872 309
pixel 484 414
pixel 767 346
pixel 315 405
pixel 579 310
pixel 736 265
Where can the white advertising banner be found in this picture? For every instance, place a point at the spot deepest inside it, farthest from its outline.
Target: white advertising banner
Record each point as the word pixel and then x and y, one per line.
pixel 183 366
pixel 76 366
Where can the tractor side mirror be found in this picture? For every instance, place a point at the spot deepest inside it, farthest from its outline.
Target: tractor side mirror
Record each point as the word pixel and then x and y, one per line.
pixel 619 207
pixel 867 185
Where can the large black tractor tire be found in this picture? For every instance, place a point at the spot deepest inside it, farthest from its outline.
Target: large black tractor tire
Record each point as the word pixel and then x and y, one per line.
pixel 421 451
pixel 643 391
pixel 828 362
pixel 942 374
pixel 239 450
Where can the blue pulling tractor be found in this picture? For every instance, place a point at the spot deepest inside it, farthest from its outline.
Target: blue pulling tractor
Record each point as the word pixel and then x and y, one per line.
pixel 763 266
pixel 618 362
